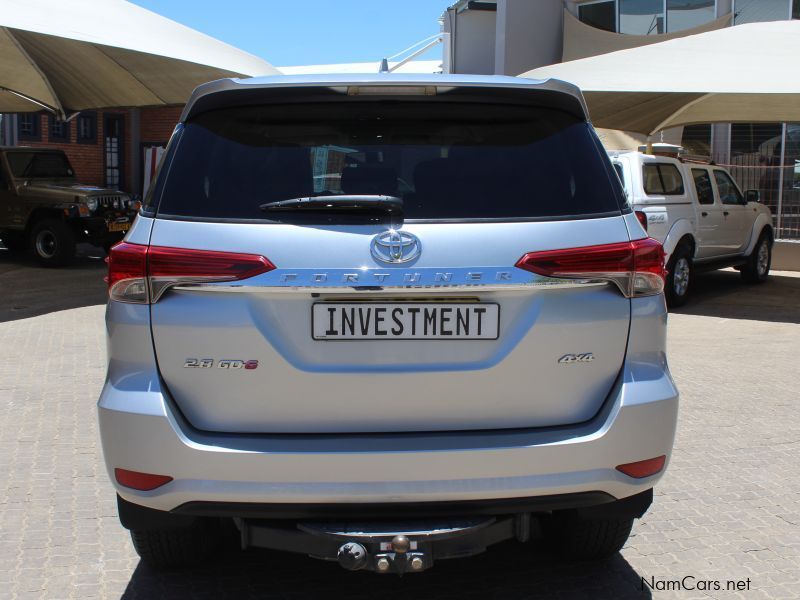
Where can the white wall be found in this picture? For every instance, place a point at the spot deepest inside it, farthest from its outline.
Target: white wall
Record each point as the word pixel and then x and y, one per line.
pixel 529 35
pixel 473 40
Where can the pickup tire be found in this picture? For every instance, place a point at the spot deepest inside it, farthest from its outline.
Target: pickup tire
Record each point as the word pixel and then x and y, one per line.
pixel 756 269
pixel 587 539
pixel 680 275
pixel 52 242
pixel 165 549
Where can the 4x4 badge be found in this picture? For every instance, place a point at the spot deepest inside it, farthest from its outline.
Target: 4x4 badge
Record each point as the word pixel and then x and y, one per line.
pixel 395 247
pixel 574 358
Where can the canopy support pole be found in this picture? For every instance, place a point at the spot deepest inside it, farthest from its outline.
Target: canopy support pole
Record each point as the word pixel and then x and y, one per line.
pixel 780 180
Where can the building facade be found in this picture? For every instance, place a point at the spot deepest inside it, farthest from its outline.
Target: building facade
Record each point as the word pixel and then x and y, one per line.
pixel 109 148
pixel 511 37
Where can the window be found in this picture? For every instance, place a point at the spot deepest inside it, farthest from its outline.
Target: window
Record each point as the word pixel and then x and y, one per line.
pixel 445 160
pixel 662 179
pixel 86 124
pixel 685 14
pixel 28 126
pixel 796 9
pixel 58 131
pixel 641 17
pixel 702 184
pixel 602 15
pixel 728 192
pixel 756 11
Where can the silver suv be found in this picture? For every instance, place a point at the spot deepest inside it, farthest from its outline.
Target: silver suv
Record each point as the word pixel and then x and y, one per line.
pixel 385 320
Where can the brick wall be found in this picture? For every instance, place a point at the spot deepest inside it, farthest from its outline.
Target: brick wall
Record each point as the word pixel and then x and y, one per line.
pixel 155 127
pixel 156 124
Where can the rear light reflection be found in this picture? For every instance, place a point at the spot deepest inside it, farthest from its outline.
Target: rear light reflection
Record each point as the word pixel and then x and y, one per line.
pixel 637 267
pixel 140 481
pixel 643 468
pixel 140 274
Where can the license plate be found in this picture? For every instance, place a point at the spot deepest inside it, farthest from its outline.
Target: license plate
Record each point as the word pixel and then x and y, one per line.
pixel 405 321
pixel 119 226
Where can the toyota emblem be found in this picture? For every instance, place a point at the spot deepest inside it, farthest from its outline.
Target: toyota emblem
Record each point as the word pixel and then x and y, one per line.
pixel 395 247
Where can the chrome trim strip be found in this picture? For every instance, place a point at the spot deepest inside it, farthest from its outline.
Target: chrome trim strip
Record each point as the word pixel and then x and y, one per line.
pixel 381 281
pixel 405 290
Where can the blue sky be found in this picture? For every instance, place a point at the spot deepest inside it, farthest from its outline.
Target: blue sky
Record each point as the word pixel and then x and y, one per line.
pixel 303 32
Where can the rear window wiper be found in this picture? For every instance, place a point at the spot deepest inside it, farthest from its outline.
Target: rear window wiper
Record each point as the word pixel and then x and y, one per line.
pixel 388 204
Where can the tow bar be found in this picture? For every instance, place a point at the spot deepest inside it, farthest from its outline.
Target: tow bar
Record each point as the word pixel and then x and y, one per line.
pixel 386 547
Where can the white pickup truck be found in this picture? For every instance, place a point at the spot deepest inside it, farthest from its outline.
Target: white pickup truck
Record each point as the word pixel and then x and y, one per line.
pixel 698 213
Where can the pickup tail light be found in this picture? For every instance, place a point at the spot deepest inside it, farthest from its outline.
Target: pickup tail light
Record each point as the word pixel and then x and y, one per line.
pixel 642 217
pixel 636 268
pixel 141 274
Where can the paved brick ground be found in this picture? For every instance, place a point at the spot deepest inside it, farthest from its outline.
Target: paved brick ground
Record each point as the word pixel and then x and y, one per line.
pixel 729 508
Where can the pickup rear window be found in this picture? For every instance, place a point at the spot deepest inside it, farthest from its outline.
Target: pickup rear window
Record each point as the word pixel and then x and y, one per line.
pixel 444 160
pixel 662 179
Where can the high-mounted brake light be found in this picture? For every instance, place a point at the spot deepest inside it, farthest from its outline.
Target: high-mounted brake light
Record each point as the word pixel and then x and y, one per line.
pixel 141 274
pixel 637 268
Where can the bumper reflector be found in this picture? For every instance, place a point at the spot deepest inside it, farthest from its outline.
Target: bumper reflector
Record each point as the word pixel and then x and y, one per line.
pixel 643 468
pixel 140 481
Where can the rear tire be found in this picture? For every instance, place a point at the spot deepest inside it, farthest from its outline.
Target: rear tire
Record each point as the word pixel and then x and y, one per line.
pixel 52 243
pixel 756 270
pixel 175 548
pixel 588 539
pixel 680 275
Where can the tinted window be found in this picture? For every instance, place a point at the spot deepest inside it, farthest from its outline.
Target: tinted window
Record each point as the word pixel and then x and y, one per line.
pixel 702 183
pixel 728 192
pixel 662 179
pixel 27 165
pixel 641 17
pixel 602 15
pixel 445 161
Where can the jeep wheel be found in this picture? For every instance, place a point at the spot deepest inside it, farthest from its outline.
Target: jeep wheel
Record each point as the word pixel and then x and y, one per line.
pixel 756 270
pixel 680 272
pixel 175 548
pixel 587 539
pixel 52 243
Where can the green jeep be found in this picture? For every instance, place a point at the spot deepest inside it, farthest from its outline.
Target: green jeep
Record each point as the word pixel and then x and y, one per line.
pixel 44 209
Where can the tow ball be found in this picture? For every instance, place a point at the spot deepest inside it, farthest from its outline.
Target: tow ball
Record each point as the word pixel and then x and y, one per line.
pixel 399 555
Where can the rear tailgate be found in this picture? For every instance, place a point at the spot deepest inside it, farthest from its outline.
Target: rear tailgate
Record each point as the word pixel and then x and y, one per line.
pixel 304 384
pixel 481 185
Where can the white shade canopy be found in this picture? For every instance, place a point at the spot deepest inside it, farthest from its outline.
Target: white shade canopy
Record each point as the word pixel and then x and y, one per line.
pixel 81 54
pixel 747 73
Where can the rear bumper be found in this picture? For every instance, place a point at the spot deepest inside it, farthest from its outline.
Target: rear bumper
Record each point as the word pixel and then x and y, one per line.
pixel 141 432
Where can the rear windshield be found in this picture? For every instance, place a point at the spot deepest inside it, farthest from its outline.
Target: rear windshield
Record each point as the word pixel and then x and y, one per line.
pixel 444 161
pixel 662 179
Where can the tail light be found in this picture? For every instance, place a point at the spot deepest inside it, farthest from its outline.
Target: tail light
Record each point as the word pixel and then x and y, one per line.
pixel 636 268
pixel 141 274
pixel 642 216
